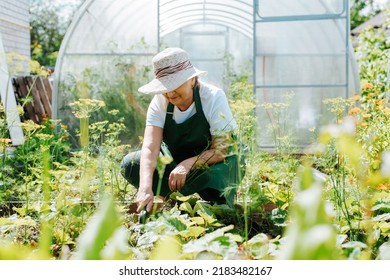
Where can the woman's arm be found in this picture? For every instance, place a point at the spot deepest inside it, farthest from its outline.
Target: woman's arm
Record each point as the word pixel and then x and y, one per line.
pixel 215 154
pixel 149 155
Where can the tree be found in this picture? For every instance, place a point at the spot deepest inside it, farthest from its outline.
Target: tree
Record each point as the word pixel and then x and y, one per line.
pixel 362 10
pixel 48 27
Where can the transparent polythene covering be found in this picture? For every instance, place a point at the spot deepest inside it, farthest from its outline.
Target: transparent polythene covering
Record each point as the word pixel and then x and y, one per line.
pixel 294 47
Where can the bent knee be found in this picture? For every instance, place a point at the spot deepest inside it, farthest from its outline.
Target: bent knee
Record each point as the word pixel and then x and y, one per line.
pixel 129 161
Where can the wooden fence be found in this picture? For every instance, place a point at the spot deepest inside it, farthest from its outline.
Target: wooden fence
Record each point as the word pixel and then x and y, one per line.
pixel 40 89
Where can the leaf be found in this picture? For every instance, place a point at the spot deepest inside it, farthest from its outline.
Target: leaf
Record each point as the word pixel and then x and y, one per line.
pixel 340 238
pixel 203 243
pixel 383 217
pixel 24 222
pixel 4 221
pixel 197 220
pixel 223 210
pixel 191 199
pixel 147 239
pixel 19 252
pixel 21 211
pixel 207 214
pixel 237 238
pixel 175 195
pixel 204 208
pixel 192 232
pixel 354 244
pixel 207 218
pixel 384 251
pixel 356 253
pixel 168 248
pixel 381 206
pixel 259 246
pixel 345 229
pixel 117 246
pixel 223 240
pixel 259 251
pixel 259 238
pixel 307 178
pixel 186 207
pixel 99 229
pixel 179 225
pixel 384 227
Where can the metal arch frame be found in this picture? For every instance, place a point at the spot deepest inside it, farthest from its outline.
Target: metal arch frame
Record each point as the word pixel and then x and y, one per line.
pixel 257 18
pixel 200 12
pixel 206 9
pixel 215 19
pixel 244 29
pixel 213 3
pixel 301 17
pixel 338 16
pixel 65 42
pixel 57 71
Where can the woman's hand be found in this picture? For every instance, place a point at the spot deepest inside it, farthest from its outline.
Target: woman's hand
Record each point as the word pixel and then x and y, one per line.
pixel 178 176
pixel 144 198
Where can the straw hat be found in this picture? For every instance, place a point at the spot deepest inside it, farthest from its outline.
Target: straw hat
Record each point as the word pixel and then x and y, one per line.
pixel 172 68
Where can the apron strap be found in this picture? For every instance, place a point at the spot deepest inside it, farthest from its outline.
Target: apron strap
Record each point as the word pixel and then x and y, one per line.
pixel 198 102
pixel 169 113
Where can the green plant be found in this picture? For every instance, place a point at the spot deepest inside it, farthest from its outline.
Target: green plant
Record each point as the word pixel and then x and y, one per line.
pixel 117 87
pixel 372 53
pixel 279 127
pixel 310 235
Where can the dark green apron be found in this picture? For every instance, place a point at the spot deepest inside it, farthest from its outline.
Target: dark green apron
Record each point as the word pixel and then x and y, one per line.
pixel 189 138
pixel 217 182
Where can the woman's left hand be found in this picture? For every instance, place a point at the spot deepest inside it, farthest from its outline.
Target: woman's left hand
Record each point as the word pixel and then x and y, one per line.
pixel 178 176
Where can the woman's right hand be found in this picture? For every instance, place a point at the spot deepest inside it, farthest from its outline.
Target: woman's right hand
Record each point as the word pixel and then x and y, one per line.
pixel 144 198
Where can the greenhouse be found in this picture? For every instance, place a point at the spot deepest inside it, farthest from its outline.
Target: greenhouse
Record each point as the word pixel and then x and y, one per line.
pixel 281 152
pixel 297 51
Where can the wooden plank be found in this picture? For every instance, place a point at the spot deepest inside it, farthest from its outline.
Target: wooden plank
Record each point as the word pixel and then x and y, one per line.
pixel 43 94
pixel 24 92
pixel 37 103
pixel 19 97
pixel 49 89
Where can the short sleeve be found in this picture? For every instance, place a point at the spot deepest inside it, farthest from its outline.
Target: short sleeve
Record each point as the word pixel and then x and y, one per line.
pixel 157 111
pixel 216 109
pixel 221 120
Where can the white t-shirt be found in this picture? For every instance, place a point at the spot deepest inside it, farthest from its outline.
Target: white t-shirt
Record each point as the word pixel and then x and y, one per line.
pixel 215 108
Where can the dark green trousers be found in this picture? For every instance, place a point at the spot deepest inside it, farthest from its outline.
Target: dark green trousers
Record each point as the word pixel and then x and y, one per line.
pixel 215 183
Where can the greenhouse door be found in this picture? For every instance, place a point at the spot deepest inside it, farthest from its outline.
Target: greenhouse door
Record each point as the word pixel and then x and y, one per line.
pixel 301 57
pixel 196 39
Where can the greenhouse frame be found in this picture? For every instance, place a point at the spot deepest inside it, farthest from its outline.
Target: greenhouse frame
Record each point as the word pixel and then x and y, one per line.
pixel 294 52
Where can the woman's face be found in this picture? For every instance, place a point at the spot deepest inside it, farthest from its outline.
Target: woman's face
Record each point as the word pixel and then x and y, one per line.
pixel 182 97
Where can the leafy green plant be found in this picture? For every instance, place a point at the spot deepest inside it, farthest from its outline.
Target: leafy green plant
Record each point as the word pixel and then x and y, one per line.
pixel 310 235
pixel 372 53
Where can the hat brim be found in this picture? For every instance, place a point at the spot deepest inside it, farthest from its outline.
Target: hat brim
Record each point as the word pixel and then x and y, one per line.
pixel 171 82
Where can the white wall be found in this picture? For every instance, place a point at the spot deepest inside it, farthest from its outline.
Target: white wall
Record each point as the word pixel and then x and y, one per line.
pixel 15 26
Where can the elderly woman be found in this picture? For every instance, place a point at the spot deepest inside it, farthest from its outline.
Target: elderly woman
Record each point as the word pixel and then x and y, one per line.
pixel 195 122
